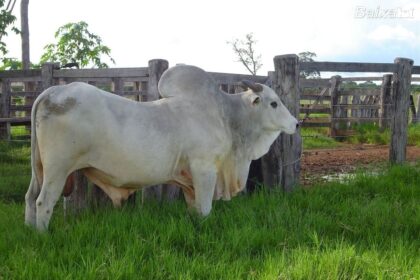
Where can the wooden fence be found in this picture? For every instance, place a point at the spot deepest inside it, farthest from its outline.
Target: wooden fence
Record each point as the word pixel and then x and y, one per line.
pixel 281 166
pixel 20 88
pixel 336 104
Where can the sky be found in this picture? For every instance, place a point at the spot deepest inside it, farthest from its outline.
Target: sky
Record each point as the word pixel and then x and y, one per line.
pixel 196 32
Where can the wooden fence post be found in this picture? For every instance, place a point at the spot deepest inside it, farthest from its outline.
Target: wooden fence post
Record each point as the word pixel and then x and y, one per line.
pixel 335 108
pixel 77 200
pixel 5 132
pixel 356 113
pixel 47 74
pixel 385 102
pixel 118 86
pixel 344 113
pixel 281 166
pixel 413 110
pixel 401 82
pixel 156 69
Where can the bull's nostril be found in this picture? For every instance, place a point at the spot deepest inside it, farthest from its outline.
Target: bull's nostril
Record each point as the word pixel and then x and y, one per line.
pixel 297 125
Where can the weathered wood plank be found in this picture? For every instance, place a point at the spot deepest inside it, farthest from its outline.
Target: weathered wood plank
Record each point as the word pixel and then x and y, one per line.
pixel 36 79
pixel 102 73
pixel 20 74
pixel 315 97
pixel 401 99
pixel 416 70
pixel 359 91
pixel 78 199
pixel 5 109
pixel 91 81
pixel 360 79
pixel 385 102
pixel 25 93
pixel 20 107
pixel 324 66
pixel 315 110
pixel 413 109
pixel 316 124
pixel 314 83
pixel 227 78
pixel 335 101
pixel 418 108
pixel 15 120
pixel 118 86
pixel 47 75
pixel 281 166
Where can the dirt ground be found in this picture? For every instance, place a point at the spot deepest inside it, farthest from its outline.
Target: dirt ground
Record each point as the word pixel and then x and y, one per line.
pixel 316 164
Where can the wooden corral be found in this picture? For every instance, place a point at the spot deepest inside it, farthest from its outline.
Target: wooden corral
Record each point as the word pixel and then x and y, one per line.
pixel 387 105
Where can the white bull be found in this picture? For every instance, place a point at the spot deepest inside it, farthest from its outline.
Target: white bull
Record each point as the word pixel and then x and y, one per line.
pixel 196 136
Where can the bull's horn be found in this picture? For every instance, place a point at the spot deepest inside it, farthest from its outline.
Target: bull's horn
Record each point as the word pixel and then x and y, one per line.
pixel 254 86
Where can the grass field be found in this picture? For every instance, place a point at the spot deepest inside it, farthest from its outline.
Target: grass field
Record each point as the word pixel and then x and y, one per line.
pixel 318 138
pixel 366 228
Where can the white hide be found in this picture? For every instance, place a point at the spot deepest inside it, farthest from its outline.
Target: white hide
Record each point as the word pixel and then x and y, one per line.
pixel 197 137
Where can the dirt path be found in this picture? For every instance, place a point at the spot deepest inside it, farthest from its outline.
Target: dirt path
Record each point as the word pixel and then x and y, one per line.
pixel 318 163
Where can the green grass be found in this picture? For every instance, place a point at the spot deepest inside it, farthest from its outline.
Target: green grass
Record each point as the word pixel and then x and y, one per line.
pixel 414 134
pixel 365 228
pixel 15 170
pixel 317 138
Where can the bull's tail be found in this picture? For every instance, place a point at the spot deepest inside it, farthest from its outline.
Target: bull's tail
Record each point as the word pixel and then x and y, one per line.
pixel 37 171
pixel 35 155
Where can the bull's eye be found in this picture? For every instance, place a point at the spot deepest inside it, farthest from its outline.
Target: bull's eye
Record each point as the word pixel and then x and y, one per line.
pixel 273 104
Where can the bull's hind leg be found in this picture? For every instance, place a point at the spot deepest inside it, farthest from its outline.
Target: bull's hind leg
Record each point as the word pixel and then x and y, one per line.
pixel 30 198
pixel 52 187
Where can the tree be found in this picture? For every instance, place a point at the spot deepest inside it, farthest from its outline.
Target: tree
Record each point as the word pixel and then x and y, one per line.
pixel 6 21
pixel 24 33
pixel 76 44
pixel 308 57
pixel 245 52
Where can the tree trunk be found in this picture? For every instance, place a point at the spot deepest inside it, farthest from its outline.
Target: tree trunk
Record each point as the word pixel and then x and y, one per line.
pixel 24 29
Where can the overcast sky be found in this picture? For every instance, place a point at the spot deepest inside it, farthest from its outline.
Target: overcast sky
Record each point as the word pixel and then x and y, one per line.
pixel 195 31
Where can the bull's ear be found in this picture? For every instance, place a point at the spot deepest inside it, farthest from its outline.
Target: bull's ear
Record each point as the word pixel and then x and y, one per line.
pixel 256 100
pixel 253 99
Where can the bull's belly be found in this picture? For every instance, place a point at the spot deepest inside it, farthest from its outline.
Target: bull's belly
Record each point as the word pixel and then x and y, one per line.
pixel 118 180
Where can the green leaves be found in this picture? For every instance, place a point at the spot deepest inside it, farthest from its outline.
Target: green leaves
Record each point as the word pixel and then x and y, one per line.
pixel 75 43
pixel 6 21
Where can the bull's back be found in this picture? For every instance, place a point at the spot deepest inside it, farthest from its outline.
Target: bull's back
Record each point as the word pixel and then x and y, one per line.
pixel 93 128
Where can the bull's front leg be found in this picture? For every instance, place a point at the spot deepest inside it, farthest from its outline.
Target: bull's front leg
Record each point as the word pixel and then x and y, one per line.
pixel 204 180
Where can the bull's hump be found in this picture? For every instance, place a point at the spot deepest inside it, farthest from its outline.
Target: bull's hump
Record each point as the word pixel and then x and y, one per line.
pixel 186 81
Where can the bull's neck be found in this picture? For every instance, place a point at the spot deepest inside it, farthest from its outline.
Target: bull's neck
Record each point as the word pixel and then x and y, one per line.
pixel 242 124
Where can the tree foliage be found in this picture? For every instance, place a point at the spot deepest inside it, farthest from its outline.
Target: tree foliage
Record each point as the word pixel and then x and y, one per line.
pixel 11 63
pixel 246 54
pixel 7 20
pixel 75 43
pixel 308 57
